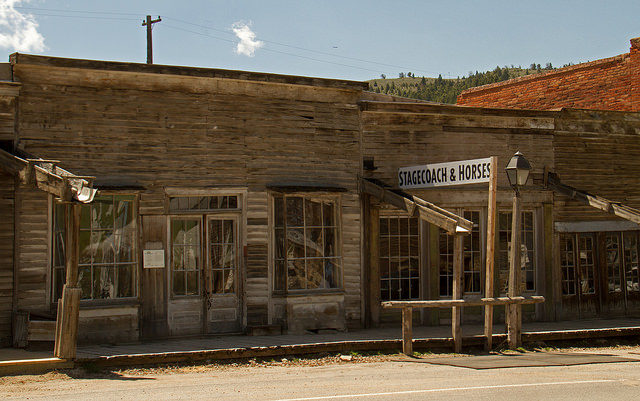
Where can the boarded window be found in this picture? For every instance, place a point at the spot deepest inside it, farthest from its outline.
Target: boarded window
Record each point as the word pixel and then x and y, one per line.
pixel 108 257
pixel 306 243
pixel 399 258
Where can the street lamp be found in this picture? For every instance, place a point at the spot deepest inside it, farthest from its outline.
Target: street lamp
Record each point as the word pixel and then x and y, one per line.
pixel 517 170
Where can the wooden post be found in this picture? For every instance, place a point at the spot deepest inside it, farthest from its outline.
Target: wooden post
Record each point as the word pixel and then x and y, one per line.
pixel 491 232
pixel 514 311
pixel 407 331
pixel 456 314
pixel 69 304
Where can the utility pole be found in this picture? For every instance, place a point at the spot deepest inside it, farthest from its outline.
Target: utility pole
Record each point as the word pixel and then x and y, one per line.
pixel 149 24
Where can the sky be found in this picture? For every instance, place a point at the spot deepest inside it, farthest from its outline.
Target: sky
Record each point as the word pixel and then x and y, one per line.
pixel 347 39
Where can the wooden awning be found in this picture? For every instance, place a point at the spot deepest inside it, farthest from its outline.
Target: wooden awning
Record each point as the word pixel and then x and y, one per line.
pixel 47 176
pixel 414 206
pixel 552 181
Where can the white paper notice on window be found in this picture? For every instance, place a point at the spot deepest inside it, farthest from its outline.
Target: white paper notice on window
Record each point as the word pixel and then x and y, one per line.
pixel 153 258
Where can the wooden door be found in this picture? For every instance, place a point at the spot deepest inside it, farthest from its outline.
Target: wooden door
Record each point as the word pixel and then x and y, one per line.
pixel 614 298
pixel 587 275
pixel 222 275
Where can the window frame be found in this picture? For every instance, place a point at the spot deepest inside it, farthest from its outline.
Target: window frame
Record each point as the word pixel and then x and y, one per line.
pixel 535 258
pixel 419 256
pixel 336 198
pixel 136 264
pixel 191 217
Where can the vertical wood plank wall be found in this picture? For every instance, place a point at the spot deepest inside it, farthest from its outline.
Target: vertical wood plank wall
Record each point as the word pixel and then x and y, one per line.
pixel 6 256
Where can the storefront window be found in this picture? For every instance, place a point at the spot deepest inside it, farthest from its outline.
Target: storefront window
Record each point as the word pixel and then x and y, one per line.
pixel 107 264
pixel 472 256
pixel 306 239
pixel 399 258
pixel 527 251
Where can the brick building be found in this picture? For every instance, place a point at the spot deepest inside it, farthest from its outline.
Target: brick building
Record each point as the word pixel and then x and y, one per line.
pixel 608 84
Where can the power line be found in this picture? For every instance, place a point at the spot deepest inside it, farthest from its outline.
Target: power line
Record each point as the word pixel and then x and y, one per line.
pixel 227 32
pixel 305 49
pixel 273 50
pixel 75 11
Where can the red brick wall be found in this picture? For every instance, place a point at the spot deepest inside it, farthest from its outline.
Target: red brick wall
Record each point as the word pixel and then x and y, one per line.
pixel 607 84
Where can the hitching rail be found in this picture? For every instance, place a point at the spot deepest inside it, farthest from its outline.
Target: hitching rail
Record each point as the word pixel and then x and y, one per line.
pixel 407 312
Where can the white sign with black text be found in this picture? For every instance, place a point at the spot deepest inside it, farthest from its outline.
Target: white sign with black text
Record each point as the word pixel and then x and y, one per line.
pixel 443 174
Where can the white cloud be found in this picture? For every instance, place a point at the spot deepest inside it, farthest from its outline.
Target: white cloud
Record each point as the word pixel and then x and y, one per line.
pixel 18 31
pixel 248 43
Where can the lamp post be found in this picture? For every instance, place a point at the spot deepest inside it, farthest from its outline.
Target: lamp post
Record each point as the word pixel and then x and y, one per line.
pixel 517 170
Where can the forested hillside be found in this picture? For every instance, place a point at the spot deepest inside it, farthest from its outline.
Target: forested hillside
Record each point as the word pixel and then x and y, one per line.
pixel 447 90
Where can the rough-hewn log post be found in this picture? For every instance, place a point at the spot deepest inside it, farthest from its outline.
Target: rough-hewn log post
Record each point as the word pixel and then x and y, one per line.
pixel 491 232
pixel 69 304
pixel 456 314
pixel 407 331
pixel 514 314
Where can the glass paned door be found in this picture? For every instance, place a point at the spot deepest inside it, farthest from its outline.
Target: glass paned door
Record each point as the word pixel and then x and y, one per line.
pixel 221 275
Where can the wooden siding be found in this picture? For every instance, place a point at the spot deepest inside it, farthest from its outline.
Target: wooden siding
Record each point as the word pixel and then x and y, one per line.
pixel 155 131
pixel 597 152
pixel 32 249
pixel 6 256
pixel 400 135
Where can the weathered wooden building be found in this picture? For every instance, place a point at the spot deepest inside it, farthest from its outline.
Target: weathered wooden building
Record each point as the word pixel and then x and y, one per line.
pixel 233 201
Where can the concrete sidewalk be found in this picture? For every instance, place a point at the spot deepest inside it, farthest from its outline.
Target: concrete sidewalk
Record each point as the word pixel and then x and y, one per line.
pixel 195 349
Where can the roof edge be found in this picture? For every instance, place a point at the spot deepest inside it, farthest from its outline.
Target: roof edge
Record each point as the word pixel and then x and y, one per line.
pixel 202 72
pixel 534 77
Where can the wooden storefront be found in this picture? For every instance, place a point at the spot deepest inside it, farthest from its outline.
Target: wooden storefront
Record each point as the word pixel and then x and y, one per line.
pixel 232 202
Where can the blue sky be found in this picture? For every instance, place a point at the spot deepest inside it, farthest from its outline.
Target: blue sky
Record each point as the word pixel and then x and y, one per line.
pixel 345 39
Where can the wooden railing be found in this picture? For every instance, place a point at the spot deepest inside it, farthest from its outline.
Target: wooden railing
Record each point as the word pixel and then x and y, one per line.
pixel 407 314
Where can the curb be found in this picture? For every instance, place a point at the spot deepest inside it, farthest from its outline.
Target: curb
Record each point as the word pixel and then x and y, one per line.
pixel 33 366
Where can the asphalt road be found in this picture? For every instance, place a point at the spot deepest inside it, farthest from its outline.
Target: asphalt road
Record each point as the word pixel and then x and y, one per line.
pixel 390 380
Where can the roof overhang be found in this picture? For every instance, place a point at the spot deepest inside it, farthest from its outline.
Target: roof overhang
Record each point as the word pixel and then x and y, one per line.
pixel 47 176
pixel 414 206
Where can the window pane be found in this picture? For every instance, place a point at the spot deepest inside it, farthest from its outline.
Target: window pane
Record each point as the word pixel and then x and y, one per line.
pixel 215 231
pixel 192 282
pixel 102 213
pixel 295 214
pixel 279 243
pixel 233 202
pixel 331 273
pixel 86 252
pixel 328 214
pixel 103 282
pixel 84 279
pixel 295 243
pixel 58 283
pixel 280 274
pixel 229 281
pixel 218 282
pixel 278 206
pixel 315 274
pixel 178 283
pixel 314 242
pixel 313 213
pixel 125 281
pixel 217 258
pixel 296 274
